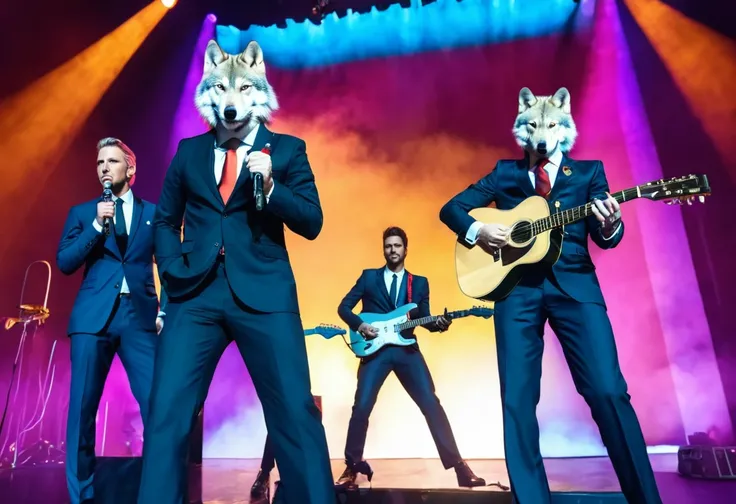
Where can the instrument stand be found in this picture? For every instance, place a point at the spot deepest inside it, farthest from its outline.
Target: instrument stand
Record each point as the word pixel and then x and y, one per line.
pixel 14 451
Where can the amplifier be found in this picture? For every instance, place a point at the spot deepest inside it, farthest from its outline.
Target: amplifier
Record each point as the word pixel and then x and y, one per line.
pixel 707 462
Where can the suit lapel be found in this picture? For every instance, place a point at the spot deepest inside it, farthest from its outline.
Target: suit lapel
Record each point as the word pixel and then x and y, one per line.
pixel 207 160
pixel 402 289
pixel 381 285
pixel 522 177
pixel 135 220
pixel 263 137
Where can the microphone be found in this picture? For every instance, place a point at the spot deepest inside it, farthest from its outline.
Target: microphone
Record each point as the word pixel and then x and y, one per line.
pixel 258 183
pixel 107 196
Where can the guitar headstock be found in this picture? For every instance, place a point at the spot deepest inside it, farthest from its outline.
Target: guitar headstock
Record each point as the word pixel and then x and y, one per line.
pixel 475 311
pixel 677 190
pixel 328 331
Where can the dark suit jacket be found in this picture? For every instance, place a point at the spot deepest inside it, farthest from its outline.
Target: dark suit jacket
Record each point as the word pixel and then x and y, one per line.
pixel 256 259
pixel 371 290
pixel 508 185
pixel 82 245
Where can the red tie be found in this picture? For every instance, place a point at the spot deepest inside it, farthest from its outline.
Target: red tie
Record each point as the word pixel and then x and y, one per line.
pixel 542 183
pixel 230 170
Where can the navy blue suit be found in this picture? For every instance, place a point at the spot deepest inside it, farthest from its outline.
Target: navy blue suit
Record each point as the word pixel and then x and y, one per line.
pixel 248 295
pixel 104 323
pixel 407 362
pixel 569 296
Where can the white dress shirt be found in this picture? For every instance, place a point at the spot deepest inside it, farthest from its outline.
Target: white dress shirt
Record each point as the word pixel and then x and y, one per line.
pixel 388 278
pixel 552 168
pixel 242 155
pixel 128 199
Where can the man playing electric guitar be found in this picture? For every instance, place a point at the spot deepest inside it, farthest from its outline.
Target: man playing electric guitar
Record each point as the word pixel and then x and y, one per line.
pixel 381 291
pixel 567 294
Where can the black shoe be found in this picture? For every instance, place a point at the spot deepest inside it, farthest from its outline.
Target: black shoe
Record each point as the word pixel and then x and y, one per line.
pixel 346 479
pixel 261 486
pixel 466 478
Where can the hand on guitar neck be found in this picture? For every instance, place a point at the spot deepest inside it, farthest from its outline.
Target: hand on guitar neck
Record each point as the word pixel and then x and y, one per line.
pixel 369 332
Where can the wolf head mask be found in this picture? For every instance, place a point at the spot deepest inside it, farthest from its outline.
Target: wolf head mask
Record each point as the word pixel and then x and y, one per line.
pixel 544 123
pixel 234 90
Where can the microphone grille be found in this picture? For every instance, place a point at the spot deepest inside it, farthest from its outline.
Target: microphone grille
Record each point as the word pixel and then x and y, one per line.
pixel 107 184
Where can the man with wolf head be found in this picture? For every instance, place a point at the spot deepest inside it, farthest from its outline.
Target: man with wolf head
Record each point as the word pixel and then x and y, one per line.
pixel 229 279
pixel 567 294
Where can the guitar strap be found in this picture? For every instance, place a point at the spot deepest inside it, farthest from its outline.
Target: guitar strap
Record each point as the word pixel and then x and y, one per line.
pixel 409 279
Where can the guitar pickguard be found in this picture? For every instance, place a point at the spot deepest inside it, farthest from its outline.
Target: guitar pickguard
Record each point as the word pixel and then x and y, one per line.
pixel 509 255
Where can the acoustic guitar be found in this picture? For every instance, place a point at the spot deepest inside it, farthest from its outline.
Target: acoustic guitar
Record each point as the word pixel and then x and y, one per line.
pixel 490 274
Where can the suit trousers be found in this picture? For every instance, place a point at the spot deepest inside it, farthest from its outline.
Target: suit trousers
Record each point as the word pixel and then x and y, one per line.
pixel 413 373
pixel 91 358
pixel 587 340
pixel 274 350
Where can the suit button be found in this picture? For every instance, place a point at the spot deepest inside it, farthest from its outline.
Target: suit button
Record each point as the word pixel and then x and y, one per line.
pixel 217 244
pixel 124 262
pixel 224 216
pixel 117 286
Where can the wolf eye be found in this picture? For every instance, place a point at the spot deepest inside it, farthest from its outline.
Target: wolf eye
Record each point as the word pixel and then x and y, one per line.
pixel 245 87
pixel 552 124
pixel 533 124
pixel 220 86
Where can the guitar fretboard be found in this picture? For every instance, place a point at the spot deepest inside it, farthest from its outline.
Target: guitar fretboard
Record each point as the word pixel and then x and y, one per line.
pixel 559 219
pixel 416 322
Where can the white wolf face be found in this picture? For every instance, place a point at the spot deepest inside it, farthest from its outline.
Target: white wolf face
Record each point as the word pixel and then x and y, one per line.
pixel 234 90
pixel 544 123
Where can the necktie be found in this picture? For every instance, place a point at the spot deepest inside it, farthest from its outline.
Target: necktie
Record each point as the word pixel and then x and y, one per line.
pixel 542 182
pixel 392 291
pixel 230 170
pixel 121 232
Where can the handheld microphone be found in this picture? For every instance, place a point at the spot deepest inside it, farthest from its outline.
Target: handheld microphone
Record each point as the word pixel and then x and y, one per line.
pixel 258 183
pixel 107 196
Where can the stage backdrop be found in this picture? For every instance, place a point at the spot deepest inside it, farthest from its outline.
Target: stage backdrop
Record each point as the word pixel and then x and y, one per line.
pixel 400 113
pixel 401 109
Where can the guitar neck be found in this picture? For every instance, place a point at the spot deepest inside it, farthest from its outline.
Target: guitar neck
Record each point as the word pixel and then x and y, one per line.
pixel 565 217
pixel 409 324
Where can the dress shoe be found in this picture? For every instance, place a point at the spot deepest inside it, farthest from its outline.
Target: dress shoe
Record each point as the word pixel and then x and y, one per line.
pixel 466 477
pixel 261 486
pixel 347 478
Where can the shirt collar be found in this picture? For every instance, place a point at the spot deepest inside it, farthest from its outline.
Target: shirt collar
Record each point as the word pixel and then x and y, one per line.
pixel 554 160
pixel 389 272
pixel 127 197
pixel 249 139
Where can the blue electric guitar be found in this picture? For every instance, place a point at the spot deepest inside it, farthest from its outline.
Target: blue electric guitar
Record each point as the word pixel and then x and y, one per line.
pixel 390 325
pixel 326 331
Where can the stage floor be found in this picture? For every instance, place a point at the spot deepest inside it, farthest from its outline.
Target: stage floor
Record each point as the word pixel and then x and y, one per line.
pixel 228 481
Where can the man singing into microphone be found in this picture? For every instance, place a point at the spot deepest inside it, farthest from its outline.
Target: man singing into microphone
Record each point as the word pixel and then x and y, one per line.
pixel 116 308
pixel 230 280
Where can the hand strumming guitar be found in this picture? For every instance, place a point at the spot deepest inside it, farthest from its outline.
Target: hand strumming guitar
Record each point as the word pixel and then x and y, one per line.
pixel 367 331
pixel 494 235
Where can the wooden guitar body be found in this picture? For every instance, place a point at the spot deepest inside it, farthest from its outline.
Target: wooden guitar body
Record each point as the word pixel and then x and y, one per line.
pixel 491 274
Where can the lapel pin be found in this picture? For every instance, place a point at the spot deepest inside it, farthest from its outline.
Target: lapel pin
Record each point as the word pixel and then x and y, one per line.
pixel 148 223
pixel 567 171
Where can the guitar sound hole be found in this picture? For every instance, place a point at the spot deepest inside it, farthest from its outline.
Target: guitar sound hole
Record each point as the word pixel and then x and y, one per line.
pixel 521 232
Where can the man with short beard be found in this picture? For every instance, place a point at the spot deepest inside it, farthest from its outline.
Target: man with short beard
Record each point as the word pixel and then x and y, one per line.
pixel 382 290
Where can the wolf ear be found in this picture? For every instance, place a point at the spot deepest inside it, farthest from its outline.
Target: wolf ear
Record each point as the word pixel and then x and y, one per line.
pixel 213 56
pixel 526 99
pixel 253 57
pixel 561 99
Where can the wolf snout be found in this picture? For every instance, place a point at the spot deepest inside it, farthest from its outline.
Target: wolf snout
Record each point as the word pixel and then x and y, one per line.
pixel 230 113
pixel 542 147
